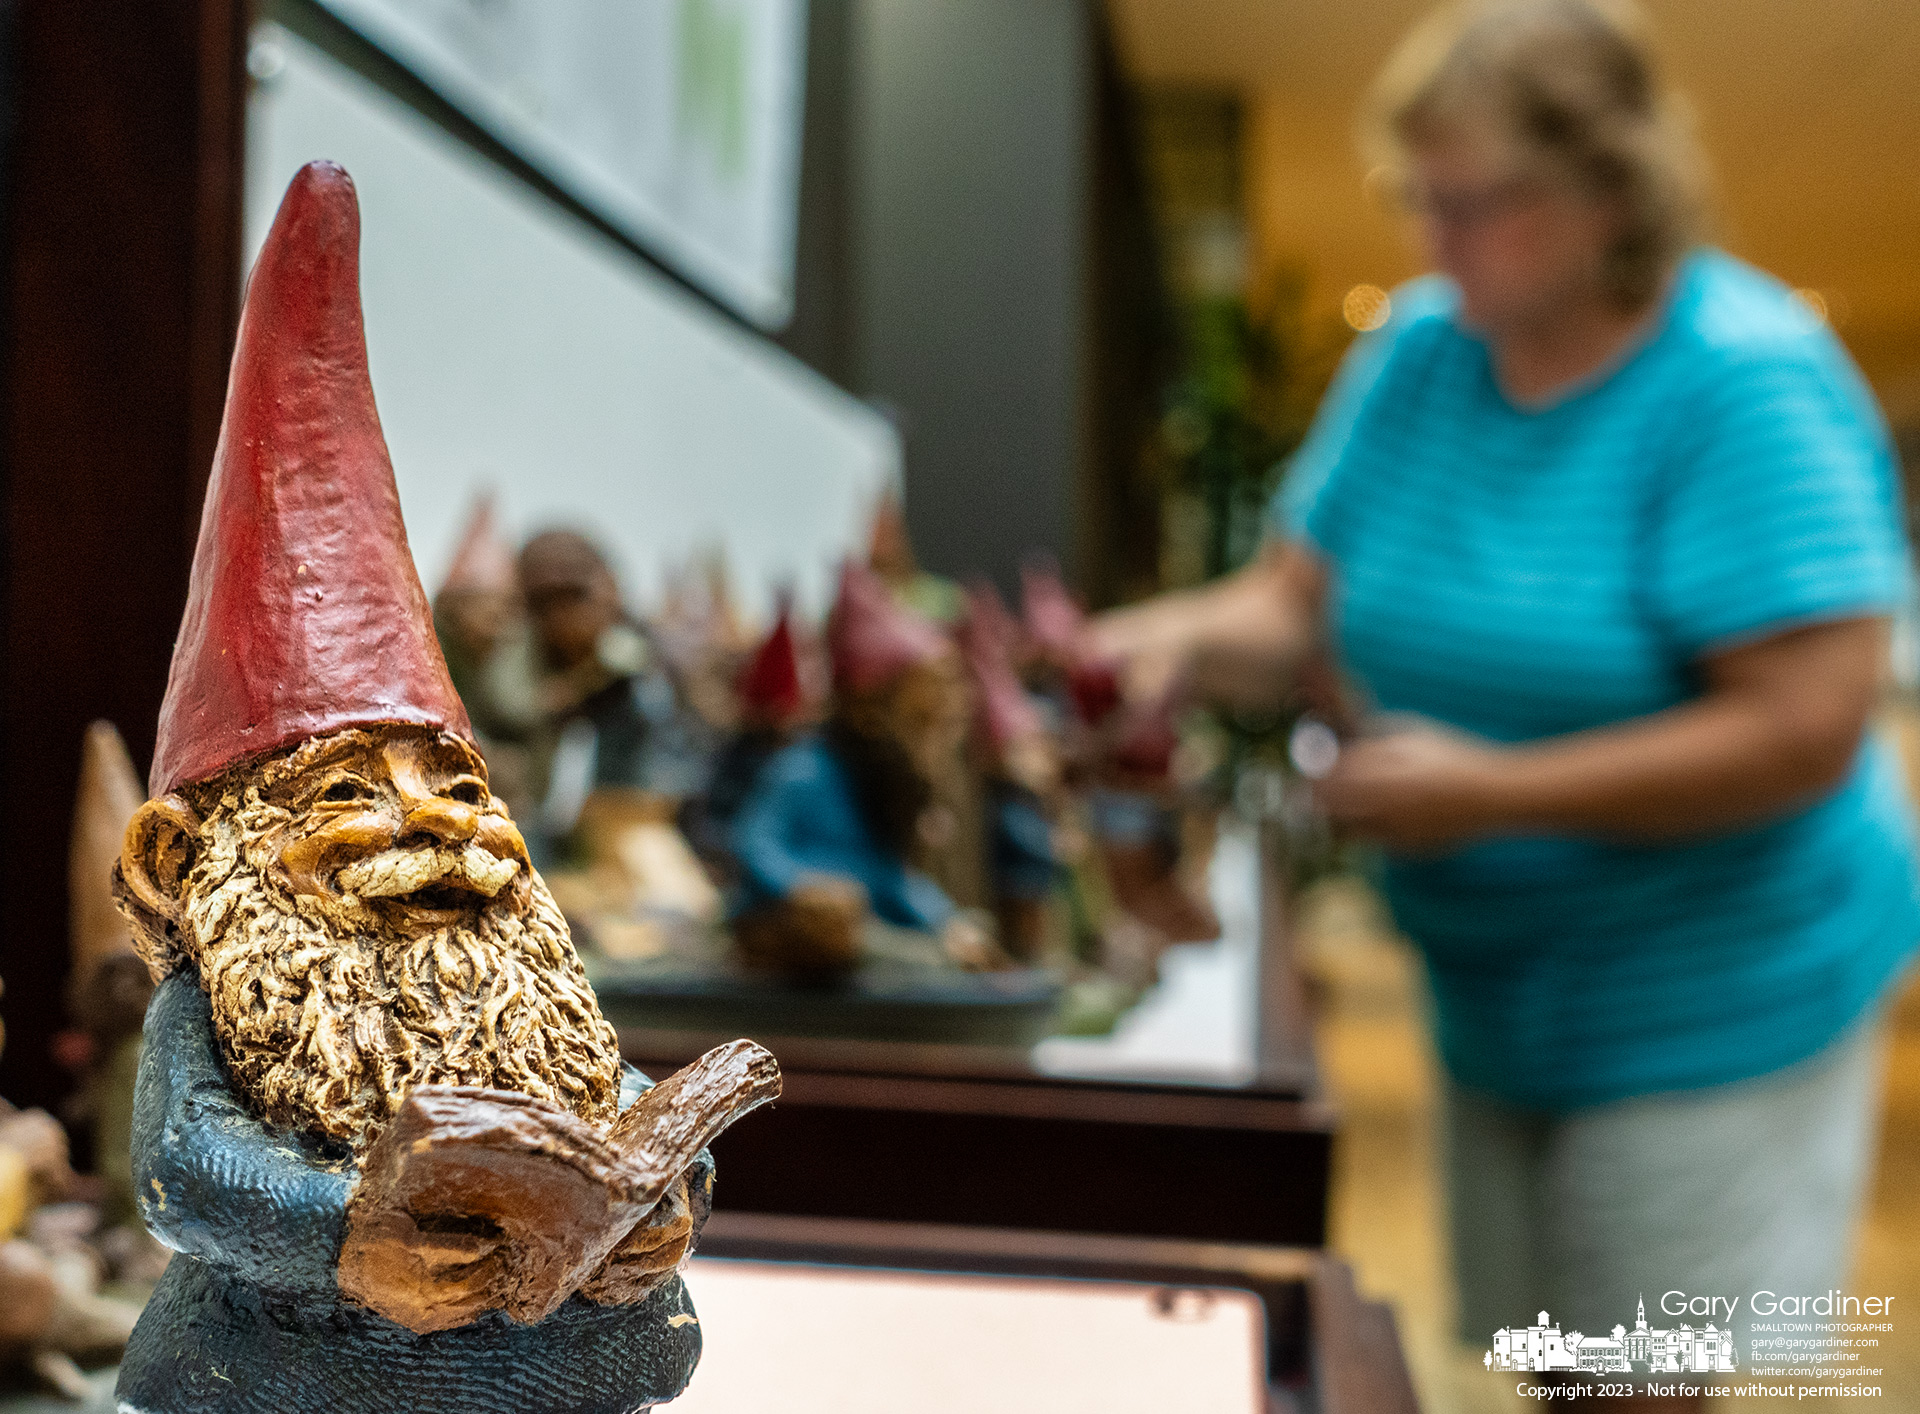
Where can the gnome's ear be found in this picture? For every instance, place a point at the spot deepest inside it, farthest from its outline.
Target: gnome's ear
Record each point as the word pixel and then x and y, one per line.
pixel 162 840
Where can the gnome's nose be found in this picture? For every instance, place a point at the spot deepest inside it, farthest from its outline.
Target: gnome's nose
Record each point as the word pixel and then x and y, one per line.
pixel 441 820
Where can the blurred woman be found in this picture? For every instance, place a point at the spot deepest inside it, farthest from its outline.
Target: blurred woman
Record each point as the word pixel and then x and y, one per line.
pixel 1603 525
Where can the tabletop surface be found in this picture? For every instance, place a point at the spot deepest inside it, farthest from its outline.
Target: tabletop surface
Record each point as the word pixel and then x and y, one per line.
pixel 1224 1017
pixel 847 1340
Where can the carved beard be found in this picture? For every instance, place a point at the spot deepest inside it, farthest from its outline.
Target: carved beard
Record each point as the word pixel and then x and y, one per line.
pixel 325 1026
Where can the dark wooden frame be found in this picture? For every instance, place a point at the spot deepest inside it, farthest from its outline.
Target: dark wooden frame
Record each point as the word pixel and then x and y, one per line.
pixel 123 163
pixel 1323 1337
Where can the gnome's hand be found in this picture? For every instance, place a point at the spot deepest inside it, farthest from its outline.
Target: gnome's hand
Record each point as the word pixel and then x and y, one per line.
pixel 824 914
pixel 444 1275
pixel 815 931
pixel 968 940
pixel 648 1255
pixel 475 1199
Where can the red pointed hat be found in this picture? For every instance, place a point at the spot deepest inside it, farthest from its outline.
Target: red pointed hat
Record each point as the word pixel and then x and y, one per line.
pixel 872 637
pixel 1145 740
pixel 769 685
pixel 1006 712
pixel 304 613
pixel 1054 619
pixel 484 561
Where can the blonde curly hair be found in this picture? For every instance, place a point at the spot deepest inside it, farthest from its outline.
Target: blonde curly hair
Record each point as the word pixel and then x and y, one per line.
pixel 1574 87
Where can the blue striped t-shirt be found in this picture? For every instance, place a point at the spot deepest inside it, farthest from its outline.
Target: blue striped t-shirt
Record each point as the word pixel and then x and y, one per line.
pixel 1525 572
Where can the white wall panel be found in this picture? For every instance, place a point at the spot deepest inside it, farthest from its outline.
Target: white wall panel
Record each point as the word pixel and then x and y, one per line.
pixel 513 347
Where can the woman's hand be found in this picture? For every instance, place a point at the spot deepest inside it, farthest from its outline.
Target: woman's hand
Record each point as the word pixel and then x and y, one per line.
pixel 1777 725
pixel 1150 643
pixel 1416 788
pixel 1238 641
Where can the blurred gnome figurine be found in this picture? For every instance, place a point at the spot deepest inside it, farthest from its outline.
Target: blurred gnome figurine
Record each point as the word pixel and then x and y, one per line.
pixel 379 1118
pixel 1126 749
pixel 51 1309
pixel 824 838
pixel 771 704
pixel 481 624
pixel 700 634
pixel 476 602
pixel 108 987
pixel 1022 769
pixel 890 555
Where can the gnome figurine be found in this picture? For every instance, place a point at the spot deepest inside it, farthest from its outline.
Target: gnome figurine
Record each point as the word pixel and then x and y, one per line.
pixel 108 987
pixel 477 603
pixel 379 1116
pixel 482 626
pixel 890 555
pixel 771 703
pixel 1127 750
pixel 825 838
pixel 1021 765
pixel 52 1312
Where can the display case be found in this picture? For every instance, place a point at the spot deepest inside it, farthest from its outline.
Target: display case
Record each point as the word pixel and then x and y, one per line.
pixel 1202 1118
pixel 1321 1345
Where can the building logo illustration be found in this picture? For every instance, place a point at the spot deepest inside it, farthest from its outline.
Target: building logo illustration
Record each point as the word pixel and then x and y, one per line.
pixel 1542 1346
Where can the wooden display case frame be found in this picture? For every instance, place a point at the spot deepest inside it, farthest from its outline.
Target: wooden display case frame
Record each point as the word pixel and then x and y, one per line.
pixel 1329 1349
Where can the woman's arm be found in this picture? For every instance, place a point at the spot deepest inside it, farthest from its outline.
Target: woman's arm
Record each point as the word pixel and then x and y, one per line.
pixel 1238 641
pixel 1777 723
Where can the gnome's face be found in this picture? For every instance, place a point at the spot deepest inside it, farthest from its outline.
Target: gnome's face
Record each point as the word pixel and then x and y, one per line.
pixel 478 618
pixel 396 828
pixel 1032 761
pixel 362 915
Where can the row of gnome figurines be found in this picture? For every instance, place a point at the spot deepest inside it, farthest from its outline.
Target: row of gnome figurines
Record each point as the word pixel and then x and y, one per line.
pixel 678 774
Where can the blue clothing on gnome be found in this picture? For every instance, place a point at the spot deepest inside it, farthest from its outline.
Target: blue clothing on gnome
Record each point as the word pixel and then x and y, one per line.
pixel 805 815
pixel 1020 844
pixel 803 818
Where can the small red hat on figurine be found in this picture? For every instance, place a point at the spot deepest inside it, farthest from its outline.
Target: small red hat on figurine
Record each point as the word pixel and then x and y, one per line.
pixel 1054 619
pixel 771 693
pixel 985 605
pixel 304 614
pixel 872 637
